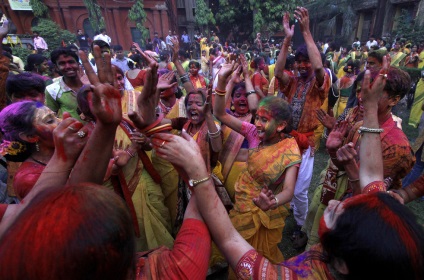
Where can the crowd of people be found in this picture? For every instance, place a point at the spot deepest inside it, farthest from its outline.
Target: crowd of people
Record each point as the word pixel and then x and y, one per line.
pixel 151 164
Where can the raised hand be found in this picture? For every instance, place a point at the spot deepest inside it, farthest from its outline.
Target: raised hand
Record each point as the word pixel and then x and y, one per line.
pixel 347 154
pixel 288 30
pixel 148 98
pixel 326 120
pixel 302 16
pixel 265 200
pixel 226 70
pixel 69 139
pixel 165 81
pixel 181 151
pixel 175 47
pixel 335 139
pixel 371 92
pixel 207 109
pixel 104 98
pixel 244 65
pixel 236 78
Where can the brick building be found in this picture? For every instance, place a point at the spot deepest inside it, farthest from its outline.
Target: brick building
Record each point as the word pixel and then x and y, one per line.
pixel 73 15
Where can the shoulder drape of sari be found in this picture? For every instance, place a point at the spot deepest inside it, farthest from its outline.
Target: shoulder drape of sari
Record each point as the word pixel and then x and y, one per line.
pixel 265 166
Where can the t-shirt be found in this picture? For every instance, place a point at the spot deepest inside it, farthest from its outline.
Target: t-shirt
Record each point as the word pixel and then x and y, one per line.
pixel 61 98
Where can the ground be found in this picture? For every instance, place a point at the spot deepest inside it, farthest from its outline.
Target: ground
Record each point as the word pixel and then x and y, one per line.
pixel 321 158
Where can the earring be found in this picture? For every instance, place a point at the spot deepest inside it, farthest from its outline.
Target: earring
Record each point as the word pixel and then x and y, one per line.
pixel 37 148
pixel 232 108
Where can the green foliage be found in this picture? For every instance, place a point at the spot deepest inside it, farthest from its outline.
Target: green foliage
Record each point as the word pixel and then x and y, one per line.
pixel 95 14
pixel 204 15
pixel 407 28
pixel 138 15
pixel 53 34
pixel 265 15
pixel 39 8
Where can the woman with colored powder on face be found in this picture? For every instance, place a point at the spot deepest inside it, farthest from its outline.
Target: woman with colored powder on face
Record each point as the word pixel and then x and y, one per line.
pixel 198 121
pixel 27 129
pixel 260 83
pixel 268 182
pixel 197 80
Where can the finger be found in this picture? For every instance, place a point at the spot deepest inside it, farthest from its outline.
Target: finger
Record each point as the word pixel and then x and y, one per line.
pixel 98 58
pixel 89 71
pixel 136 119
pixel 66 115
pixel 366 82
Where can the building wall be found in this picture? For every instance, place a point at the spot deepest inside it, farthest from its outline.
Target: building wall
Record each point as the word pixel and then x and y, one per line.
pixel 70 15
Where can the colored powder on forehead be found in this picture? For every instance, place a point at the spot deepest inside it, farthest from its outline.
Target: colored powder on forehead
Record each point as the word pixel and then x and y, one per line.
pixel 266 104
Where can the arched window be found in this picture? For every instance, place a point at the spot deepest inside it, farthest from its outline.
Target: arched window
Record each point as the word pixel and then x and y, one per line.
pixel 34 22
pixel 88 29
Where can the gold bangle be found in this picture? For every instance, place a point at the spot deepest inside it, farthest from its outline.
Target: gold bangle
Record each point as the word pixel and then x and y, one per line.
pixel 220 94
pixel 220 91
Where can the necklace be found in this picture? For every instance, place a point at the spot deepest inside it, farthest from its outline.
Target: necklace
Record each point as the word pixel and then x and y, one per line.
pixel 165 109
pixel 38 161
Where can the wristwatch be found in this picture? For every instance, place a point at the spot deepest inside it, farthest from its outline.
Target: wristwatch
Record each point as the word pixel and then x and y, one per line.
pixel 193 183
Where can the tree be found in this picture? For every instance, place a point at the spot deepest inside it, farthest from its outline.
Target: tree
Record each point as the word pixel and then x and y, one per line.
pixel 53 34
pixel 328 11
pixel 39 8
pixel 407 28
pixel 264 15
pixel 138 15
pixel 95 14
pixel 204 15
pixel 48 29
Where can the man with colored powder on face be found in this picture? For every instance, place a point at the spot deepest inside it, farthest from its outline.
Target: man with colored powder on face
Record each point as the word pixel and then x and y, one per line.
pixel 305 93
pixel 61 95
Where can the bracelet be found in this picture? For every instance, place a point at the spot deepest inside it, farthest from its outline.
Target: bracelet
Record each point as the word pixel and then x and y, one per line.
pixel 276 203
pixel 128 152
pixel 220 92
pixel 352 181
pixel 184 78
pixel 164 127
pixel 363 129
pixel 215 134
pixel 250 92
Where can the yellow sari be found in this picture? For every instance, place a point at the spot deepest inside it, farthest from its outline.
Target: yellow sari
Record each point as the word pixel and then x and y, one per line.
pixel 261 229
pixel 166 170
pixel 416 111
pixel 144 198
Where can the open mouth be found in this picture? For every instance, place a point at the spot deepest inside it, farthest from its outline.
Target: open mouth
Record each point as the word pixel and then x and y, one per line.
pixel 194 116
pixel 261 133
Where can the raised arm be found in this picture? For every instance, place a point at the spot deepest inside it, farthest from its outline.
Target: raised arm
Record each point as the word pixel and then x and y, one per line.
pixel 185 80
pixel 302 15
pixel 282 56
pixel 105 104
pixel 215 138
pixel 371 167
pixel 149 96
pixel 219 106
